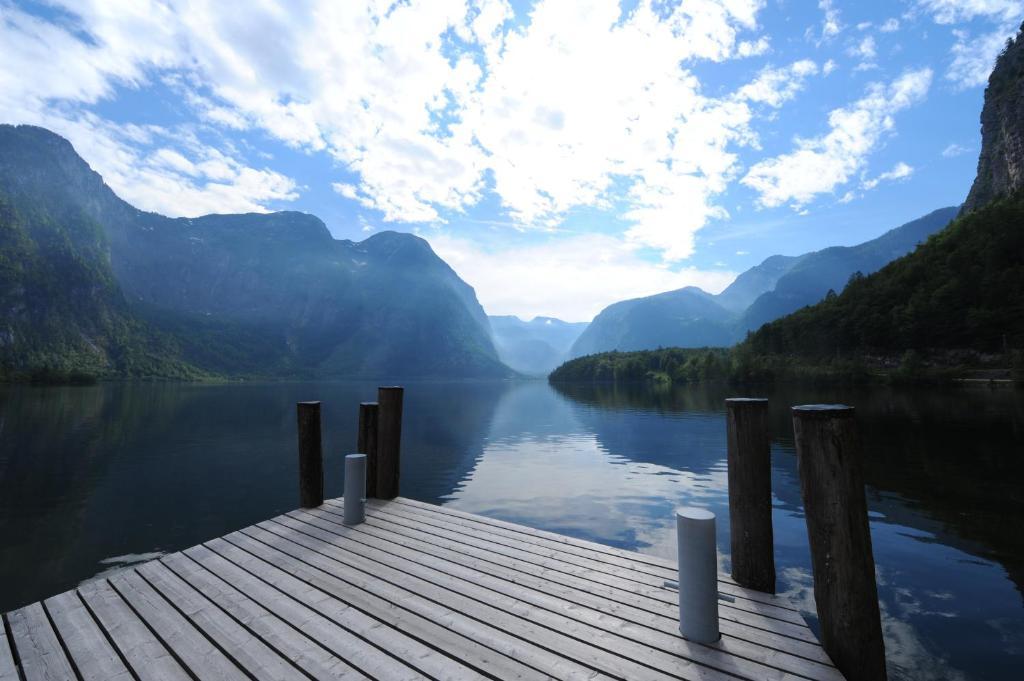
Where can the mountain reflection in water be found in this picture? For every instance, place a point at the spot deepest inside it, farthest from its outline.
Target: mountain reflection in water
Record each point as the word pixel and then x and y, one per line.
pixel 92 476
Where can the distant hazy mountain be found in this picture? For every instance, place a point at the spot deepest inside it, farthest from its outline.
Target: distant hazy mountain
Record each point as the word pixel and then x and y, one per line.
pixel 266 294
pixel 756 281
pixel 811 277
pixel 688 317
pixel 535 347
pixel 691 318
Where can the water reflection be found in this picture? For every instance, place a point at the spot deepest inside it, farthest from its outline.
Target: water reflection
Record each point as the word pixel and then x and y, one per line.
pixel 94 477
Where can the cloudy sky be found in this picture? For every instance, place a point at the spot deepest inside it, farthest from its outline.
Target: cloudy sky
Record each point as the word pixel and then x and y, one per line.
pixel 559 155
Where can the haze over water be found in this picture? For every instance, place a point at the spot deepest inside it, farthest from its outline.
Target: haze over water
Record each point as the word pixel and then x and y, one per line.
pixel 93 478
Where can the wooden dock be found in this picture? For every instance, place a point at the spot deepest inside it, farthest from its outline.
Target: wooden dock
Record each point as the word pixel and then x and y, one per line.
pixel 415 592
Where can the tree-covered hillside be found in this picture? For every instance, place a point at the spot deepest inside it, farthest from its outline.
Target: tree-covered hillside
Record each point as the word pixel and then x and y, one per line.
pixel 962 289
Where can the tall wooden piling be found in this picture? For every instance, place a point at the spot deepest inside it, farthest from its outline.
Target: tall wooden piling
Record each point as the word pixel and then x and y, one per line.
pixel 750 493
pixel 311 458
pixel 367 443
pixel 389 441
pixel 828 451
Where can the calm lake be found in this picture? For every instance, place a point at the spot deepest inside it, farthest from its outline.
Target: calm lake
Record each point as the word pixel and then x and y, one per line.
pixel 95 478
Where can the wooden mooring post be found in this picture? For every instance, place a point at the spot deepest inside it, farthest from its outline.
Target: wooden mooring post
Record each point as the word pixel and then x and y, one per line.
pixel 311 458
pixel 367 443
pixel 828 451
pixel 389 441
pixel 750 493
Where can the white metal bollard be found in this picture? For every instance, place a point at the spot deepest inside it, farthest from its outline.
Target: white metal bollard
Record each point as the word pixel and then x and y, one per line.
pixel 355 489
pixel 698 574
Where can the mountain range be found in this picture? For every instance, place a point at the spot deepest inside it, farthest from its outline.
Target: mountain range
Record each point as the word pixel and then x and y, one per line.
pixel 90 284
pixel 960 295
pixel 690 317
pixel 535 347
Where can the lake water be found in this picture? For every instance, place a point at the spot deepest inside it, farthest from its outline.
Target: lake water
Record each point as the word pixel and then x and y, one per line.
pixel 94 478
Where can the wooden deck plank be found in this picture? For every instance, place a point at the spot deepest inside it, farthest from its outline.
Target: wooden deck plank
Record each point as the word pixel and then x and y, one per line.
pixel 328 594
pixel 749 611
pixel 415 592
pixel 663 600
pixel 485 647
pixel 665 638
pixel 42 657
pixel 92 653
pixel 540 580
pixel 634 560
pixel 342 633
pixel 145 653
pixel 564 637
pixel 202 659
pixel 786 614
pixel 309 654
pixel 667 652
pixel 246 650
pixel 8 667
pixel 641 562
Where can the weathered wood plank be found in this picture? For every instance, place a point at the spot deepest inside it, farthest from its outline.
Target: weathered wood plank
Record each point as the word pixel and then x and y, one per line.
pixel 565 638
pixel 40 652
pixel 650 589
pixel 404 633
pixel 146 655
pixel 85 641
pixel 247 651
pixel 203 660
pixel 643 644
pixel 569 589
pixel 634 569
pixel 415 592
pixel 222 584
pixel 482 646
pixel 8 668
pixel 331 624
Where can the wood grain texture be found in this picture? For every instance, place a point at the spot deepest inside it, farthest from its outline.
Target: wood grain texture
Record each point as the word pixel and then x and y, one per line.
pixel 828 450
pixel 42 657
pixel 366 443
pixel 389 441
pixel 415 592
pixel 311 457
pixel 750 493
pixel 86 643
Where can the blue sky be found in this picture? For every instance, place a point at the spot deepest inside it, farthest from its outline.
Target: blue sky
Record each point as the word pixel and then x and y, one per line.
pixel 561 156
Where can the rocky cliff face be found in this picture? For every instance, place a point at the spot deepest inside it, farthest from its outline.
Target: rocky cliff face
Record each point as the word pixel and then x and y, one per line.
pixel 1001 163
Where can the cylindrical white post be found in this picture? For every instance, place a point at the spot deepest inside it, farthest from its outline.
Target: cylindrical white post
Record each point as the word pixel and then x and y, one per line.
pixel 698 574
pixel 355 489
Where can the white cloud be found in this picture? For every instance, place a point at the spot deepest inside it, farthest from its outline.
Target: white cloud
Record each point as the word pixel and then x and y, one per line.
pixel 954 150
pixel 829 67
pixel 900 171
pixel 891 25
pixel 974 57
pixel 953 11
pixel 830 26
pixel 428 102
pixel 753 48
pixel 775 86
pixel 572 277
pixel 865 49
pixel 821 164
pixel 349 191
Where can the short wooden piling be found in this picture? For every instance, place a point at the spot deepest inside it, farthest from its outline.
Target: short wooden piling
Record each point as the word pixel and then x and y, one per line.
pixel 389 441
pixel 750 493
pixel 367 443
pixel 828 450
pixel 311 458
